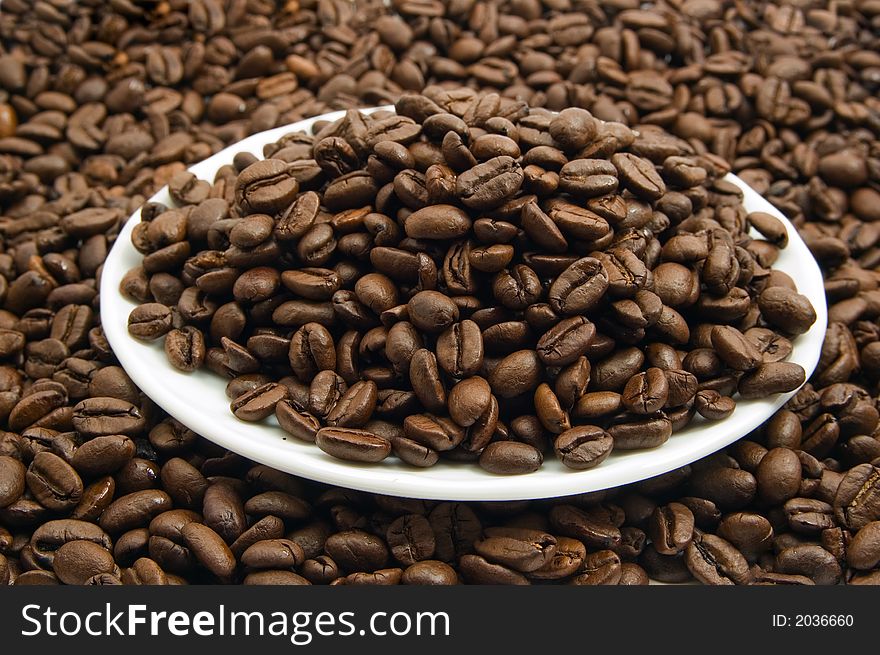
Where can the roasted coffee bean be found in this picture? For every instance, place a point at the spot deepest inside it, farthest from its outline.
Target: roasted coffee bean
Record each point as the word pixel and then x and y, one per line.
pixel 53 482
pixel 77 561
pixel 490 183
pixel 728 488
pixel 257 404
pixel 432 311
pixel 209 549
pixel 567 559
pixel 588 178
pixel 712 405
pixel 671 528
pixel 771 378
pixel 751 533
pixel 223 511
pixel 639 176
pixel 863 551
pixel 185 348
pixel 779 476
pixel 356 550
pixel 733 347
pixel 429 572
pixel 595 529
pixel 579 287
pixel 646 393
pixel 456 527
pixel 516 288
pixel 460 349
pixel 441 434
pixel 468 400
pixel 510 458
pixel 573 128
pixel 787 309
pixel 857 500
pixel 94 417
pixel 185 483
pixel 134 510
pixel 523 551
pixel 265 187
pixel 517 373
pixel 565 342
pixel 477 570
pixel 583 447
pixel 12 480
pixel 411 539
pixel 811 561
pixel 103 455
pixel 355 407
pixel 438 222
pixel 712 560
pixel 353 444
pixel 273 554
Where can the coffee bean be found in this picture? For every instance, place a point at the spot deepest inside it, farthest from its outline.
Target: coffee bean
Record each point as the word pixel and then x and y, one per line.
pixel 779 475
pixel 566 341
pixel 432 311
pixel 469 400
pixel 209 549
pixel 437 222
pixel 411 539
pixel 12 480
pixel 646 393
pixel 134 510
pixel 77 561
pixel 353 444
pixel 712 405
pixel 787 309
pixel 733 347
pixel 356 550
pixel 355 407
pixel 100 416
pixel 477 570
pixel 863 551
pixel 583 447
pixel 775 377
pixel 53 482
pixel 729 488
pixel 489 184
pixel 185 348
pixel 811 561
pixel 429 572
pixel 460 349
pixel 259 403
pixel 712 560
pixel 517 373
pixel 103 455
pixel 273 554
pixel 857 500
pixel 588 178
pixel 521 552
pixel 510 458
pixel 265 187
pixel 671 528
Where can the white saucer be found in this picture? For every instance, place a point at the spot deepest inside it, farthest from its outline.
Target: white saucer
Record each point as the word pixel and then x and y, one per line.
pixel 199 401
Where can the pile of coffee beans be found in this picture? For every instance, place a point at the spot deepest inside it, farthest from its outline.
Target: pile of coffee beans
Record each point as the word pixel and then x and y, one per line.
pixel 103 103
pixel 471 279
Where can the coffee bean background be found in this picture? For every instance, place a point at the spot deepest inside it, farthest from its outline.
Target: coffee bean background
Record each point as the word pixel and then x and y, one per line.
pixel 101 104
